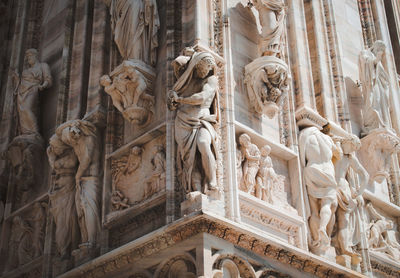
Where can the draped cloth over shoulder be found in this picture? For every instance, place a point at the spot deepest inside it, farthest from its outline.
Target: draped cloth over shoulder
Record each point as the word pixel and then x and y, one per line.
pixel 273 40
pixel 320 183
pixel 375 89
pixel 187 126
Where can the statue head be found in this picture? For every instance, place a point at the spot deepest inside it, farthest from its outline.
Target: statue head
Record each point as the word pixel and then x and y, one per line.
pixel 31 56
pixel 266 150
pixel 205 66
pixel 244 140
pixel 378 48
pixel 136 150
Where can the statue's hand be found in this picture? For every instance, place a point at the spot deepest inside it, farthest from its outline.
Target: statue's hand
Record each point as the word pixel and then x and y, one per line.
pixel 173 100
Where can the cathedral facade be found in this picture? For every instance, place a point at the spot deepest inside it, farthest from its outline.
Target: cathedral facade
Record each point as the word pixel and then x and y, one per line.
pixel 199 138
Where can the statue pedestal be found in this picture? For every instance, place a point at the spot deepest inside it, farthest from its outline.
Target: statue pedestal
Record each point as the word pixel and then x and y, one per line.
pixel 196 201
pixel 61 266
pixel 349 262
pixel 328 253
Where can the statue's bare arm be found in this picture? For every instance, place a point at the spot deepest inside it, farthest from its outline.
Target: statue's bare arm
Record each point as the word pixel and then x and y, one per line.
pixel 360 170
pixel 86 155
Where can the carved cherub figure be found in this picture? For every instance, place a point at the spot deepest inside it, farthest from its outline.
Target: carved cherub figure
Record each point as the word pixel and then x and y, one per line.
pixel 119 201
pixel 251 164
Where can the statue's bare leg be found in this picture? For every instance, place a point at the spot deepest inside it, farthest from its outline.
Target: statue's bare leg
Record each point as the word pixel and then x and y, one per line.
pixel 207 157
pixel 325 215
pixel 314 219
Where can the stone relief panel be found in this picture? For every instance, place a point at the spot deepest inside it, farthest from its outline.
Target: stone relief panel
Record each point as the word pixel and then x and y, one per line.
pixel 195 99
pixel 25 154
pixel 256 174
pixel 26 240
pixel 381 234
pixel 138 174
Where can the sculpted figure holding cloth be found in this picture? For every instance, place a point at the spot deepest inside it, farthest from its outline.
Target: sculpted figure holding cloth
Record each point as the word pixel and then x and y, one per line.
pixel 195 96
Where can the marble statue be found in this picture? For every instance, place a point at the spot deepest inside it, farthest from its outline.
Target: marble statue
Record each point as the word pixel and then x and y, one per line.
pixel 272 19
pixel 239 165
pixel 251 163
pixel 375 87
pixel 81 136
pixel 316 153
pixel 157 180
pixel 128 88
pixel 195 96
pixel 267 79
pixel 64 163
pixel 349 197
pixel 379 236
pixel 20 244
pixel 270 186
pixel 135 25
pixel 34 78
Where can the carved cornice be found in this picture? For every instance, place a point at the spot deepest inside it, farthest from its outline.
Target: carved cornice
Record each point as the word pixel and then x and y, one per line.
pixel 306 117
pixel 151 244
pixel 384 269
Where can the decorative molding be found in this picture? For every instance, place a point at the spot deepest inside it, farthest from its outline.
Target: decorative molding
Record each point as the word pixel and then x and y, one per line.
pixel 151 244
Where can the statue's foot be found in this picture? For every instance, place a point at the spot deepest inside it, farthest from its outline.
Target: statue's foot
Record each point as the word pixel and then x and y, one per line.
pixel 324 238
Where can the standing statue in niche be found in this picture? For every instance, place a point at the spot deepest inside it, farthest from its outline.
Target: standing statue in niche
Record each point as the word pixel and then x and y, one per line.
pixel 195 96
pixel 267 78
pixel 64 163
pixel 81 136
pixel 135 25
pixel 316 153
pixel 375 87
pixel 35 77
pixel 272 19
pixel 349 197
pixel 251 164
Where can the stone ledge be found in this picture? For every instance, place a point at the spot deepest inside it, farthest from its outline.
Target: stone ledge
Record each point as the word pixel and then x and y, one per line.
pixel 217 226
